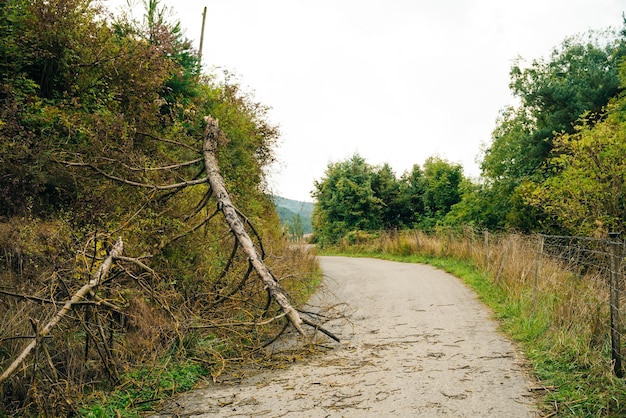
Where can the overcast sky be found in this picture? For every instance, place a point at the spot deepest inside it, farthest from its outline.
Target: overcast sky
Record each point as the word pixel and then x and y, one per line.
pixel 396 81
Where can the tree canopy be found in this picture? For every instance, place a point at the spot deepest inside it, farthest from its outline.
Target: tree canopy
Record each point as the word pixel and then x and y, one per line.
pixel 551 166
pixel 585 195
pixel 578 79
pixel 356 196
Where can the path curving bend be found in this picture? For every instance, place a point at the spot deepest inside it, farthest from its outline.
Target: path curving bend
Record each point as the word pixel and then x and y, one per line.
pixel 419 344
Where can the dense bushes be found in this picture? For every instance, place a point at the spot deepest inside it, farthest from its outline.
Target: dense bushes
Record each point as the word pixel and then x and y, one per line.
pixel 97 117
pixel 355 196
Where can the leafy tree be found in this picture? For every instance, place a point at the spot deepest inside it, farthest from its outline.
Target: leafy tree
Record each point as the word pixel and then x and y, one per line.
pixel 580 76
pixel 168 37
pixel 586 195
pixel 475 207
pixel 295 227
pixel 386 187
pixel 356 196
pixel 442 180
pixel 346 200
pixel 78 87
pixel 410 203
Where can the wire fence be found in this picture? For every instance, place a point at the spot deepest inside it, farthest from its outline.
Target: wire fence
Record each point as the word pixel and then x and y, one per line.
pixel 596 257
pixel 580 277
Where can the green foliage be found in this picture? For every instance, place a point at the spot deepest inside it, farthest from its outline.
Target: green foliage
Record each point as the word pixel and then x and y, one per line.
pixel 355 196
pixel 585 196
pixel 442 181
pixel 251 138
pixel 77 88
pixel 288 209
pixel 386 187
pixel 479 207
pixel 580 77
pixel 410 202
pixel 91 107
pixel 144 387
pixel 295 228
pixel 346 200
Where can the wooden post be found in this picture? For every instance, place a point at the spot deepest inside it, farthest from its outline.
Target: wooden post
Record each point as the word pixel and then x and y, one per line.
pixel 468 242
pixel 503 259
pixel 616 326
pixel 201 41
pixel 538 258
pixel 448 250
pixel 486 245
pixel 417 240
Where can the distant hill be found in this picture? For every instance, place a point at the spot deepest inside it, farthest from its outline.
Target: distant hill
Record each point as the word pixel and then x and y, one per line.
pixel 288 208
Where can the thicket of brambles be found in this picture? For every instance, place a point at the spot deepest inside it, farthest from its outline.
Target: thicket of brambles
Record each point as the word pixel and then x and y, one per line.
pixel 99 116
pixel 555 163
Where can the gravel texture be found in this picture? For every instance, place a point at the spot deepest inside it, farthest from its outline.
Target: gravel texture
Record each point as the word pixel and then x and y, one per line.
pixel 418 343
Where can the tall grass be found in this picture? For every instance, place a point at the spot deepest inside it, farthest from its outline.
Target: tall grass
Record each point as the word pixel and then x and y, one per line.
pixel 558 312
pixel 160 331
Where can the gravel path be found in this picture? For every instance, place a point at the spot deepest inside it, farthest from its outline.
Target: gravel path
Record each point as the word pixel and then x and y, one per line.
pixel 419 344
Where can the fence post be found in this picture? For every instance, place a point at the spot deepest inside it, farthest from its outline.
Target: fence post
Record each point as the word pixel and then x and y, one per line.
pixel 540 243
pixel 486 234
pixel 468 241
pixel 417 240
pixel 505 254
pixel 616 326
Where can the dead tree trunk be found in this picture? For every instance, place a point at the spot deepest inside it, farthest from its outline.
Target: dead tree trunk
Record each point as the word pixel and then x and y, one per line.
pixel 78 297
pixel 212 135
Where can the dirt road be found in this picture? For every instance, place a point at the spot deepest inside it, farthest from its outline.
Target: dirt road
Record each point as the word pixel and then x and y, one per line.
pixel 419 344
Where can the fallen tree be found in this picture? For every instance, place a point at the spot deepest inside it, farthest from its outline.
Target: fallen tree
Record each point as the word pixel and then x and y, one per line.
pixel 78 297
pixel 96 331
pixel 212 136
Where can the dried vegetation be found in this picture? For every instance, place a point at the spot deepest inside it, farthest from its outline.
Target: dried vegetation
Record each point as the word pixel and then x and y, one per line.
pixel 139 317
pixel 552 295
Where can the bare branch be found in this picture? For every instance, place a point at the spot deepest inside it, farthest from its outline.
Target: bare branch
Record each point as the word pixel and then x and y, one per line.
pixel 212 136
pixel 192 230
pixel 137 262
pixel 166 167
pixel 78 296
pixel 179 185
pixel 98 300
pixel 236 288
pixel 168 141
pixel 256 234
pixel 320 328
pixel 238 324
pixel 202 204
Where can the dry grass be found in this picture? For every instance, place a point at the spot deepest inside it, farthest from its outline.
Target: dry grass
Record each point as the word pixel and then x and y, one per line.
pixel 537 280
pixel 553 298
pixel 215 315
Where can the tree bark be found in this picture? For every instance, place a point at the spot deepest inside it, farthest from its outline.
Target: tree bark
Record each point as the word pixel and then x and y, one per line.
pixel 212 137
pixel 78 297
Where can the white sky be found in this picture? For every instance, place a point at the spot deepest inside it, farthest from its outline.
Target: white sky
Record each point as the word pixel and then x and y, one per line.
pixel 395 80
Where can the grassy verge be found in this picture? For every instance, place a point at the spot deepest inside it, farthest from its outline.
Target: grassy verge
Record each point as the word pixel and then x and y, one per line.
pixel 558 319
pixel 143 388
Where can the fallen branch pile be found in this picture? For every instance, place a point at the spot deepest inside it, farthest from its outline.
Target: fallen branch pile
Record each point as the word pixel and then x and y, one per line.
pixel 129 312
pixel 80 295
